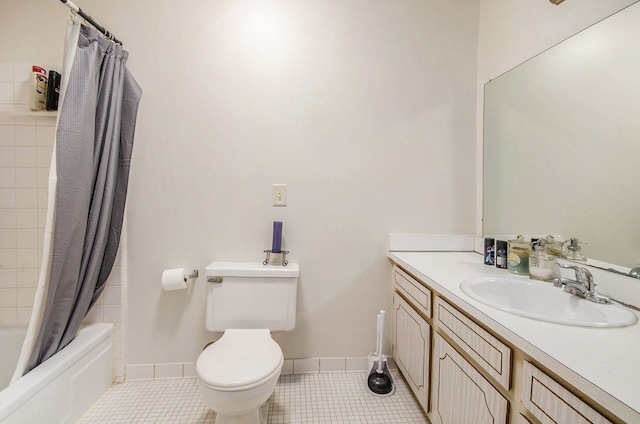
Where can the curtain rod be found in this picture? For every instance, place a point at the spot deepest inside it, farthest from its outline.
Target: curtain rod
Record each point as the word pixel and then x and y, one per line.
pixel 89 19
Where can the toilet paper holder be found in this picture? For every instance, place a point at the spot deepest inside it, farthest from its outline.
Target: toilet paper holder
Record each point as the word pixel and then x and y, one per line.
pixel 188 277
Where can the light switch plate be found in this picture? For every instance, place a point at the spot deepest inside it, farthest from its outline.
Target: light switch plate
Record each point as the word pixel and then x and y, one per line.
pixel 279 195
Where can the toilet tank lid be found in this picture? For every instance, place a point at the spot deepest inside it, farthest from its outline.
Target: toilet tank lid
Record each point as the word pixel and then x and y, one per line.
pixel 251 269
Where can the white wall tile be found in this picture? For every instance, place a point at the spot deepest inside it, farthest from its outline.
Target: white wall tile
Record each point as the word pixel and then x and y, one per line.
pixel 7 156
pixel 8 317
pixel 27 238
pixel 287 367
pixel 21 93
pixel 7 177
pixel 139 372
pixel 8 238
pixel 307 365
pixel 26 192
pixel 7 220
pixel 168 371
pixel 6 72
pixel 7 279
pixel 24 315
pixel 8 258
pixel 43 157
pixel 25 136
pixel 27 277
pixel 113 313
pixel 7 137
pixel 26 296
pixel 112 295
pixel 22 72
pixel 189 370
pixel 26 157
pixel 332 365
pixel 45 135
pixel 28 178
pixel 357 364
pixel 26 218
pixel 27 258
pixel 8 298
pixel 7 196
pixel 6 92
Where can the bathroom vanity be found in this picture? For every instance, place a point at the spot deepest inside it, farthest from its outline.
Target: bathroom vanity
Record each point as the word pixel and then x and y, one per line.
pixel 510 369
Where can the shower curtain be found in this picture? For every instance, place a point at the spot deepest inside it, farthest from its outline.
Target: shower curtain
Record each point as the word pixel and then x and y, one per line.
pixel 93 147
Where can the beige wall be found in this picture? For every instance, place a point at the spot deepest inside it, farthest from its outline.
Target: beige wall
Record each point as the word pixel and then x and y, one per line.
pixel 366 110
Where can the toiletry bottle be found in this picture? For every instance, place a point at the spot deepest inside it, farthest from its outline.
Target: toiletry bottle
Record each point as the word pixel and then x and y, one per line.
pixel 572 251
pixel 518 255
pixel 489 251
pixel 553 247
pixel 540 262
pixel 38 89
pixel 501 254
pixel 53 90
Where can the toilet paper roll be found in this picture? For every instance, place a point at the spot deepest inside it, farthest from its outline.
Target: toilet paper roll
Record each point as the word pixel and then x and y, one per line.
pixel 173 279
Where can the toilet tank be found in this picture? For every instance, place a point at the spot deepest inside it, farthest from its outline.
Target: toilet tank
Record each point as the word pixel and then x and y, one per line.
pixel 251 295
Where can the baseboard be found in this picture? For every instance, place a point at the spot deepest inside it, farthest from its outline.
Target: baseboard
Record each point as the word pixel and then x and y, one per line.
pixel 138 372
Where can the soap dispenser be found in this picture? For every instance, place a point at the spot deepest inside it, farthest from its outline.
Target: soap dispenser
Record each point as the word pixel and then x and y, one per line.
pixel 541 262
pixel 572 251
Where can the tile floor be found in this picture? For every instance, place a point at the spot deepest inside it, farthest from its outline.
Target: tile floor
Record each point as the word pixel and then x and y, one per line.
pixel 298 399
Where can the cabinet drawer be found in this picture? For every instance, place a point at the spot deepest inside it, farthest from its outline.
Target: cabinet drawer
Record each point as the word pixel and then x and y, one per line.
pixel 489 352
pixel 551 403
pixel 416 293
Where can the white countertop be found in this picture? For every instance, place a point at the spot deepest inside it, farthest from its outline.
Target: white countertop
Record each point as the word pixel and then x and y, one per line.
pixel 604 363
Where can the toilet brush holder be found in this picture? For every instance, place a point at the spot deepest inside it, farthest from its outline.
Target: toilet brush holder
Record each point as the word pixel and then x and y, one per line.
pixel 373 358
pixel 279 258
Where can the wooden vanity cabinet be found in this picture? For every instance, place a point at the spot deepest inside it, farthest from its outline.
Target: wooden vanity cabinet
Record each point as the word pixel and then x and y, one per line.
pixel 462 373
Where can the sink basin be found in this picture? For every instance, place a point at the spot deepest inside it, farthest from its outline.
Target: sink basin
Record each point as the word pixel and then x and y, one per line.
pixel 542 301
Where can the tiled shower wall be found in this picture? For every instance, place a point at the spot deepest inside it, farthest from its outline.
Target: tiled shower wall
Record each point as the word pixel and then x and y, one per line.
pixel 26 145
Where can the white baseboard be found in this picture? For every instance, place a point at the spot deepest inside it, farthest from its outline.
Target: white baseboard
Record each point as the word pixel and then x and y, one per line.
pixel 138 372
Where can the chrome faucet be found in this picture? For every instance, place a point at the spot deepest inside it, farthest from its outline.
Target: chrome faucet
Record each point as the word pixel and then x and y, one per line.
pixel 582 286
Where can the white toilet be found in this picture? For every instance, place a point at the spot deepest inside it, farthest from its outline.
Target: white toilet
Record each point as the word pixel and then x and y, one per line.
pixel 238 373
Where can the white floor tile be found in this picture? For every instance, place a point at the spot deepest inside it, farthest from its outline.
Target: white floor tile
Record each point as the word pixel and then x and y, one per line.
pixel 297 399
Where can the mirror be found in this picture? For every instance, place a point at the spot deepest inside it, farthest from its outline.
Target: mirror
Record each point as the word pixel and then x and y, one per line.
pixel 562 142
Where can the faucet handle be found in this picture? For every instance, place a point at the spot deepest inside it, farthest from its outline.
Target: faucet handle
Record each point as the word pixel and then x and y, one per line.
pixel 583 275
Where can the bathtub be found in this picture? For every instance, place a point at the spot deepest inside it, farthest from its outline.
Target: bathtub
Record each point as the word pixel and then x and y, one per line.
pixel 61 389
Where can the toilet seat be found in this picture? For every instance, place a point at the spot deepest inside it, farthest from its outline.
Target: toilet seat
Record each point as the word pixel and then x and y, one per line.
pixel 239 360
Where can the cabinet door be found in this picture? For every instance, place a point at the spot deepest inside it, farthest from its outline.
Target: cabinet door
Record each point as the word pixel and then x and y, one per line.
pixel 411 347
pixel 460 394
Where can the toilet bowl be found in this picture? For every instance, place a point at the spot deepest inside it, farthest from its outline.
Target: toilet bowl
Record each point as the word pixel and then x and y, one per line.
pixel 237 375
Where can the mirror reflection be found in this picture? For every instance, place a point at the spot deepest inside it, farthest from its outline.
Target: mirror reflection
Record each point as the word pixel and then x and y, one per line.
pixel 562 143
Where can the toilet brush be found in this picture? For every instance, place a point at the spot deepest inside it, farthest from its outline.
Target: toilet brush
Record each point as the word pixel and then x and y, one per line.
pixel 379 380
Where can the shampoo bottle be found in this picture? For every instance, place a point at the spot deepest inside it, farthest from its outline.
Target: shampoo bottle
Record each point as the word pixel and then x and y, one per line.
pixel 38 89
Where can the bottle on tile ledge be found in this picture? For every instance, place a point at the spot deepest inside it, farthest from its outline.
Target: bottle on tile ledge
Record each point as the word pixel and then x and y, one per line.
pixel 518 255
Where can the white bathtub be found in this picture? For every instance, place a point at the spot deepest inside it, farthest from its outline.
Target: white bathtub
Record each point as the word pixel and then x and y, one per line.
pixel 63 387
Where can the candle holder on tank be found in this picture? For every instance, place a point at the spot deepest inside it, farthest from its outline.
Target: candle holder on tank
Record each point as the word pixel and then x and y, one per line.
pixel 283 261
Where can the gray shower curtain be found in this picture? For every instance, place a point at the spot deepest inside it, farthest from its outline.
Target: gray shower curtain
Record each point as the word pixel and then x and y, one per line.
pixel 94 144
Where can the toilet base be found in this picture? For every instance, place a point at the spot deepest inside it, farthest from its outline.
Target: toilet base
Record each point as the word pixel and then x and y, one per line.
pixel 257 416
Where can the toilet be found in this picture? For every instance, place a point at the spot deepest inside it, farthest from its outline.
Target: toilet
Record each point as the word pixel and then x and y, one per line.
pixel 247 301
